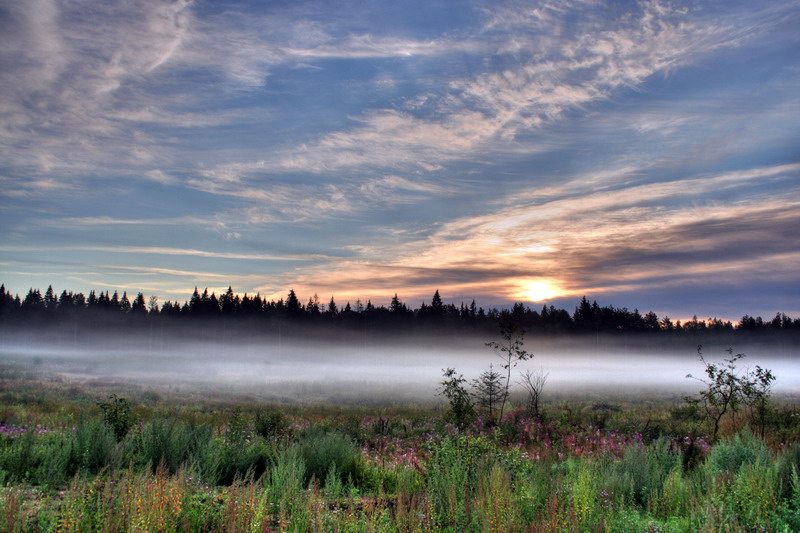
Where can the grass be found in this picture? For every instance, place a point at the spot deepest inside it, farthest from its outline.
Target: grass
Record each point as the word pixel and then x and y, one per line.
pixel 223 463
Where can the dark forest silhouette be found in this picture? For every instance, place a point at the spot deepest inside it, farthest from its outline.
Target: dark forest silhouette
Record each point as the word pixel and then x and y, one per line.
pixel 107 311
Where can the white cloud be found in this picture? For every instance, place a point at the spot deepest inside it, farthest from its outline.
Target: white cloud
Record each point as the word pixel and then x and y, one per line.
pixel 64 64
pixel 106 221
pixel 397 189
pixel 274 203
pixel 390 139
pixel 160 177
pixel 370 46
pixel 34 188
pixel 83 82
pixel 81 79
pixel 553 73
pixel 289 203
pixel 163 250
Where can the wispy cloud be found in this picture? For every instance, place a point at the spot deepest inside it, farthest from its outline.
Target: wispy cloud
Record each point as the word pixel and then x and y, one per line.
pixel 197 276
pixel 68 70
pixel 275 203
pixel 111 221
pixel 82 82
pixel 160 250
pixel 639 236
pixel 370 46
pixel 161 177
pixel 397 189
pixel 553 74
pixel 34 188
pixel 287 203
pixel 78 101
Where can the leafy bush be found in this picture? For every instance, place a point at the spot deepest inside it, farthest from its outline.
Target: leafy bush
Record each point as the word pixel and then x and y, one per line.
pixel 585 489
pixel 237 432
pixel 54 458
pixel 636 520
pixel 60 460
pixel 462 411
pixel 17 458
pixel 93 449
pixel 170 444
pixel 729 455
pixel 117 415
pixel 320 451
pixel 640 475
pixel 727 387
pixel 675 495
pixel 451 480
pixel 788 468
pixel 224 464
pixel 283 495
pixel 271 424
pixel 496 505
pixel 458 470
pixel 753 495
pixel 532 489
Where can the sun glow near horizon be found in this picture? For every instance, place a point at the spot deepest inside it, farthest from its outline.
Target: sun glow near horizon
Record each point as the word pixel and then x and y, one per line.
pixel 537 290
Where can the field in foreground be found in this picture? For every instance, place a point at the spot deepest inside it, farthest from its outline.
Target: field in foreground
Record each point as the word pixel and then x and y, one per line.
pixel 108 456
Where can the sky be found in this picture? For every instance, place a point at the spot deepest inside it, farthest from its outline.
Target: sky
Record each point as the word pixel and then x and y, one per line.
pixel 645 154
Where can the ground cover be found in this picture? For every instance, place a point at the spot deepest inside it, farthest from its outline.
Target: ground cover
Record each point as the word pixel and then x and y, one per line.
pixel 115 456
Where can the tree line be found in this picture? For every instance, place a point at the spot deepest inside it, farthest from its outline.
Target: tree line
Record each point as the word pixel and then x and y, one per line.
pixel 588 317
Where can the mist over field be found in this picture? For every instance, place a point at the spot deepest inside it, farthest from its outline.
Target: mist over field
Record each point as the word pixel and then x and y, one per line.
pixel 388 369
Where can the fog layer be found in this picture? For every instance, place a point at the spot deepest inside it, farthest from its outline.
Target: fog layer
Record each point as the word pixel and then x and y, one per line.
pixel 407 368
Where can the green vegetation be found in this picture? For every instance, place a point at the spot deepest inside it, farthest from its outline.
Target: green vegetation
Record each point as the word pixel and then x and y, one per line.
pixel 117 415
pixel 728 387
pixel 511 353
pixel 74 457
pixel 453 387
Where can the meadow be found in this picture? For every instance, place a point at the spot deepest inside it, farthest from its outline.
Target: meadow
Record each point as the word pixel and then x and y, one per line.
pixel 109 455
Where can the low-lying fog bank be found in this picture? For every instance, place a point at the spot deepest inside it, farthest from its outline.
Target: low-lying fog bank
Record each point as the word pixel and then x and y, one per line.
pixel 401 369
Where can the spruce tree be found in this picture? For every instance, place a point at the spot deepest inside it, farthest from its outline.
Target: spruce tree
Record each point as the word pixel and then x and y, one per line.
pixel 489 389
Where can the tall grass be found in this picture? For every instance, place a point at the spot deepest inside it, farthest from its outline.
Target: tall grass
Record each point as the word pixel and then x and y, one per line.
pixel 468 484
pixel 329 455
pixel 243 470
pixel 50 458
pixel 170 444
pixel 639 477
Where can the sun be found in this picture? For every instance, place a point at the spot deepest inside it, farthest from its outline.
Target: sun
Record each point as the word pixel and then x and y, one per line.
pixel 537 290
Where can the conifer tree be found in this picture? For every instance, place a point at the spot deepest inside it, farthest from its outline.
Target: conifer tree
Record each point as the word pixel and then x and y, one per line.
pixel 293 306
pixel 397 306
pixel 489 391
pixel 50 300
pixel 124 303
pixel 139 307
